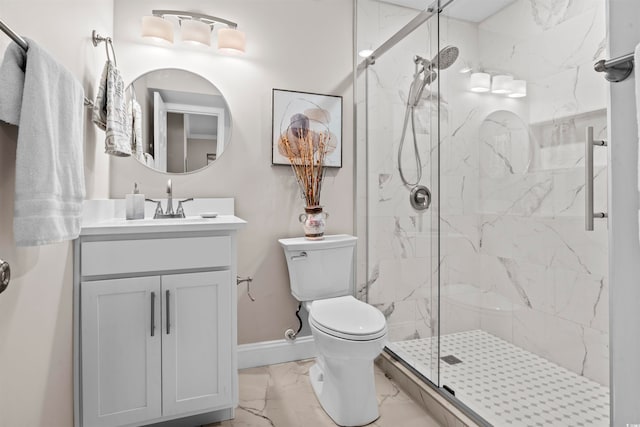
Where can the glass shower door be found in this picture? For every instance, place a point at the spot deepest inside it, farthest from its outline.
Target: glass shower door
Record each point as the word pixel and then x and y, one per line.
pixel 401 108
pixel 524 292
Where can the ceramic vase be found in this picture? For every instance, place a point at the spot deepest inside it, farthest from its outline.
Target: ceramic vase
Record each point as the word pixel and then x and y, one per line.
pixel 313 221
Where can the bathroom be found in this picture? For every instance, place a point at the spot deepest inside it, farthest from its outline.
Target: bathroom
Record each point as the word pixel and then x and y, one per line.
pixel 36 311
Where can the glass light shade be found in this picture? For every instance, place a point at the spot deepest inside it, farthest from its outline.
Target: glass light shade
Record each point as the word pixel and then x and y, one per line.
pixel 518 89
pixel 194 31
pixel 480 82
pixel 231 40
pixel 157 28
pixel 501 84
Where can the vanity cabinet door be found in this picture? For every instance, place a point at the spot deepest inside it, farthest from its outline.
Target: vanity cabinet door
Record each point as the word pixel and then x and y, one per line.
pixel 196 342
pixel 121 351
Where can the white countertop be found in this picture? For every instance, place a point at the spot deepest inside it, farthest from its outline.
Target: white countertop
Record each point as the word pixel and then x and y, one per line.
pixel 101 217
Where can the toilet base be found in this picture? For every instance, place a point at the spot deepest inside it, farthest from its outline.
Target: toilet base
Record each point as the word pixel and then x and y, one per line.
pixel 346 390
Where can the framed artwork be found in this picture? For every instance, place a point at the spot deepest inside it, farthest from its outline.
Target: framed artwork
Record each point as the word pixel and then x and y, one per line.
pixel 297 114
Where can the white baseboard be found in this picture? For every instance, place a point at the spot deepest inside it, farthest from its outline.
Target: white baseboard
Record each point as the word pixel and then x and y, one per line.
pixel 277 351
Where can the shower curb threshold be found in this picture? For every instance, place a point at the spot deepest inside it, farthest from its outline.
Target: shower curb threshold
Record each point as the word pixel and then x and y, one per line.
pixel 426 395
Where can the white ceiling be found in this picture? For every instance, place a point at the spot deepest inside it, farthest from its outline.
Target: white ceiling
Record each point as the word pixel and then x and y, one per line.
pixel 466 10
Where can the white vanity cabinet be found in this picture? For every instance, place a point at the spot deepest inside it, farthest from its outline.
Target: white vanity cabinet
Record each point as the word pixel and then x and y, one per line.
pixel 121 360
pixel 155 325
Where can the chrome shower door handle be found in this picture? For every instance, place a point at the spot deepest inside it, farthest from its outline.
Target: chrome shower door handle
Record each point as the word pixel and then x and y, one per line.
pixel 589 214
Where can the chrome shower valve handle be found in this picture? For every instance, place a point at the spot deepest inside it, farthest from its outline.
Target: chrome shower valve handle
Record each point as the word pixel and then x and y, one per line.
pixel 420 197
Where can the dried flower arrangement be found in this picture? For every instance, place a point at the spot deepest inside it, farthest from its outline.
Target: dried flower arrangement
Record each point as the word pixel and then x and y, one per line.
pixel 306 151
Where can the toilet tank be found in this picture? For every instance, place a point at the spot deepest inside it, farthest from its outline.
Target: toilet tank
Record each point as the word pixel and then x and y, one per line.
pixel 320 269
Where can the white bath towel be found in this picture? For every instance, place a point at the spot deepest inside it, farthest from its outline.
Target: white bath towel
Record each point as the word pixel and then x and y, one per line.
pixel 46 101
pixel 110 112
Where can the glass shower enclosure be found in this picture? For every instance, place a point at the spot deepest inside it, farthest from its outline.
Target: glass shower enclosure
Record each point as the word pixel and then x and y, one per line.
pixel 495 293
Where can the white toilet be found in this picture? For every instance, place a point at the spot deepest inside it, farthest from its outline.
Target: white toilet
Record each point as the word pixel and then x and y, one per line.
pixel 349 334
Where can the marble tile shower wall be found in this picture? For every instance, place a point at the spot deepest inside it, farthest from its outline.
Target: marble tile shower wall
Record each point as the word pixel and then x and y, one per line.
pixel 511 184
pixel 533 248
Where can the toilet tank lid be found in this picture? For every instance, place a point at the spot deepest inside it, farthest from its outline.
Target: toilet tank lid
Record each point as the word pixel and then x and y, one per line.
pixel 303 244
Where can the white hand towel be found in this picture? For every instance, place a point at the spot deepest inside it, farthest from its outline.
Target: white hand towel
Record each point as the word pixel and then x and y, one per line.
pixel 134 114
pixel 110 112
pixel 46 101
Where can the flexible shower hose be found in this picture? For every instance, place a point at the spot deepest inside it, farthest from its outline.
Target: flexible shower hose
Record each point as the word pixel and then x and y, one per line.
pixel 409 112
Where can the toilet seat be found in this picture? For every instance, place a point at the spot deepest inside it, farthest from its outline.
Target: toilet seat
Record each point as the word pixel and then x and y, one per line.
pixel 348 318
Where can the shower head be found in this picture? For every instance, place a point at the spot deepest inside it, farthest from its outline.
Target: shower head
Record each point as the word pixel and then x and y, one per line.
pixel 426 75
pixel 445 58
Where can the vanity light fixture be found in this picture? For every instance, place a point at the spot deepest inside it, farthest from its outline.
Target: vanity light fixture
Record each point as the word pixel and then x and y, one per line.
pixel 157 28
pixel 501 84
pixel 480 82
pixel 196 32
pixel 518 89
pixel 231 40
pixel 365 53
pixel 195 28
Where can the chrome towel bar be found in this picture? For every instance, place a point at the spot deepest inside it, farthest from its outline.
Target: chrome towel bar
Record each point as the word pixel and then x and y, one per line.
pixel 25 46
pixel 616 69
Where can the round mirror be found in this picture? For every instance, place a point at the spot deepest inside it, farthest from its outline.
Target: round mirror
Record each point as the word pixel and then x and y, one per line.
pixel 181 121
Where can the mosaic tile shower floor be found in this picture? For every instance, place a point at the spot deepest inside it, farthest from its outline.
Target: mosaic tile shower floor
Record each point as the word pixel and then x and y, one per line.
pixel 509 386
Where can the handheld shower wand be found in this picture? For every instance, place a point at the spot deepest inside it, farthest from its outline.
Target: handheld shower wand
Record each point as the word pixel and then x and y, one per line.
pixel 421 78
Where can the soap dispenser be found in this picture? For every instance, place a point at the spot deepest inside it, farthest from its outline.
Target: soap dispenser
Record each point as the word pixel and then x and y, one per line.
pixel 135 204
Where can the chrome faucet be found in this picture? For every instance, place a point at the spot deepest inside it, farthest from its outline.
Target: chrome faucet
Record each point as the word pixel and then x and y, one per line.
pixel 169 213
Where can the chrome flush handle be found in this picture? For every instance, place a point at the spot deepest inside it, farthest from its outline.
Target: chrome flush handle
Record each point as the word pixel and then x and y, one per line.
pixel 302 255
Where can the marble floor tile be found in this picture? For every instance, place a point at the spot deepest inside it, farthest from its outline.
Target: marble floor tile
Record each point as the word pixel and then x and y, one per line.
pixel 281 396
